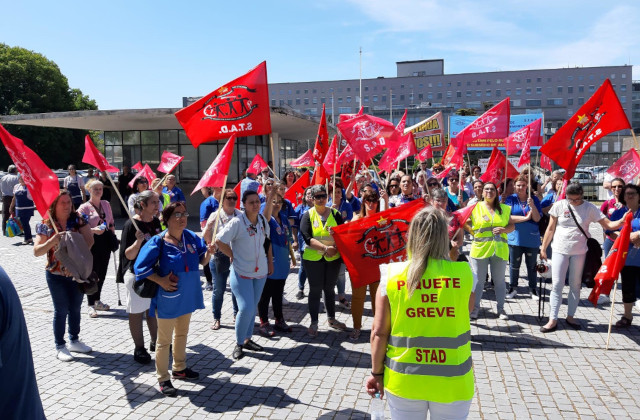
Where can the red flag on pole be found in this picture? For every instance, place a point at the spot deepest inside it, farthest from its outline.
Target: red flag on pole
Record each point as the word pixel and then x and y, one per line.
pixel 41 182
pixel 330 160
pixel 169 161
pixel 403 148
pixel 463 214
pixel 238 107
pixel 545 162
pixel 493 124
pixel 93 157
pixel 366 134
pixel 305 160
pixel 530 133
pixel 496 167
pixel 398 133
pixel 321 146
pixel 627 167
pixel 452 157
pixel 602 114
pixel 345 117
pixel 613 264
pixel 217 172
pixel 443 174
pixel 347 173
pixel 425 153
pixel 347 155
pixel 295 193
pixel 237 189
pixel 138 166
pixel 146 172
pixel 257 165
pixel 319 176
pixel 381 238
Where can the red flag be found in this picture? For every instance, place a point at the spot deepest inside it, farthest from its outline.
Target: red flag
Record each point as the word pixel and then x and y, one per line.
pixel 493 124
pixel 405 147
pixel 366 134
pixel 295 193
pixel 237 189
pixel 530 133
pixel 93 157
pixel 545 162
pixel 257 165
pixel 217 172
pixel 330 163
pixel 321 146
pixel 138 166
pixel 381 238
pixel 345 117
pixel 305 160
pixel 347 155
pixel 41 182
pixel 425 153
pixel 346 174
pixel 496 167
pixel 238 107
pixel 169 162
pixel 146 172
pixel 627 167
pixel 398 133
pixel 319 176
pixel 610 269
pixel 443 174
pixel 525 157
pixel 602 114
pixel 452 157
pixel 463 214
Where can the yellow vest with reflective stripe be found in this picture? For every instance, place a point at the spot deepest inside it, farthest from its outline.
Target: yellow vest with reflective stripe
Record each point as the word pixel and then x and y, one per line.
pixel 429 348
pixel 485 244
pixel 320 231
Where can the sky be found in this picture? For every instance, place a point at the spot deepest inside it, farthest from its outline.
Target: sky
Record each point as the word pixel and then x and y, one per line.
pixel 143 54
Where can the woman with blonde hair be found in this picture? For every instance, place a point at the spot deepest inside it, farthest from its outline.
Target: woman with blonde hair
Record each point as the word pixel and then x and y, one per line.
pixel 420 342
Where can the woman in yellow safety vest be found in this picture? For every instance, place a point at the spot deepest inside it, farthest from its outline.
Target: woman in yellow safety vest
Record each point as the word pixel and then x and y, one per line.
pixel 489 224
pixel 420 341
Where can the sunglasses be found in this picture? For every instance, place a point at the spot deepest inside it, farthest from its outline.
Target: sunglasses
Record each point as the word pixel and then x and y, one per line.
pixel 180 215
pixel 371 200
pixel 432 184
pixel 394 186
pixel 231 198
pixel 617 186
pixel 437 170
pixel 320 196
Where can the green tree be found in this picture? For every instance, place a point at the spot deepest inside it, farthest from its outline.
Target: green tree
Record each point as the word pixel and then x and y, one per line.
pixel 466 111
pixel 30 83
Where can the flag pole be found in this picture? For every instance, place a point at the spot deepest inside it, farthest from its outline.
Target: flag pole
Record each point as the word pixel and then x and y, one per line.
pixel 215 227
pixel 272 157
pixel 53 222
pixel 613 301
pixel 126 207
pixel 333 194
pixel 635 139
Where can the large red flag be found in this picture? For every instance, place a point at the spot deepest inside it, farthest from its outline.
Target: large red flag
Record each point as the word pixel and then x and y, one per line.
pixel 545 162
pixel 305 160
pixel 610 269
pixel 217 172
pixel 443 174
pixel 257 165
pixel 405 147
pixel 237 189
pixel 321 146
pixel 347 155
pixel 602 114
pixel 530 133
pixel 146 172
pixel 627 167
pixel 463 214
pixel 398 133
pixel 452 157
pixel 366 134
pixel 93 157
pixel 496 167
pixel 425 153
pixel 373 240
pixel 169 161
pixel 295 193
pixel 493 124
pixel 239 107
pixel 330 163
pixel 41 182
pixel 319 176
pixel 345 117
pixel 137 167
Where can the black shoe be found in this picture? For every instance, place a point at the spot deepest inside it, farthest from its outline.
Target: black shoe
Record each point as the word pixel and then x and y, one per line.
pixel 238 353
pixel 140 355
pixel 253 346
pixel 300 295
pixel 574 325
pixel 167 389
pixel 152 346
pixel 185 375
pixel 545 330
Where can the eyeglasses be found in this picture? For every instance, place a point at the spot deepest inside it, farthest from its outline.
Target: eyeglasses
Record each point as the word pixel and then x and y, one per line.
pixel 371 200
pixel 320 196
pixel 180 215
pixel 617 186
pixel 452 180
pixel 432 184
pixel 394 186
pixel 630 193
pixel 437 169
pixel 231 198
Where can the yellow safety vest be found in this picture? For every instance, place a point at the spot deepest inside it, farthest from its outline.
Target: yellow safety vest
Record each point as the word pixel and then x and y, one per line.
pixel 321 233
pixel 485 244
pixel 429 349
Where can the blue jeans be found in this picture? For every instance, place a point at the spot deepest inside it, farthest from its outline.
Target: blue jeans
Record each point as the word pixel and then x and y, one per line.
pixel 247 292
pixel 530 257
pixel 606 245
pixel 219 266
pixel 340 282
pixel 26 227
pixel 561 263
pixel 302 274
pixel 498 267
pixel 67 300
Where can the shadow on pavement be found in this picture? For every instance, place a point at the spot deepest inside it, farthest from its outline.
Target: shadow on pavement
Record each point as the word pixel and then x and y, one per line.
pixel 347 413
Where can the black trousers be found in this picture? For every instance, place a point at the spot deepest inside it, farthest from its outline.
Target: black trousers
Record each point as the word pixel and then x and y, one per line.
pixel 101 254
pixel 6 202
pixel 322 276
pixel 273 289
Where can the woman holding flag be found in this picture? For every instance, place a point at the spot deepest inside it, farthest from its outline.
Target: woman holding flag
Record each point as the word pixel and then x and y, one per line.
pixel 631 271
pixel 175 193
pixel 139 185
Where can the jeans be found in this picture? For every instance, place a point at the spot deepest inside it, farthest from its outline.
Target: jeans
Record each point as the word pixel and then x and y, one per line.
pixel 498 267
pixel 220 265
pixel 171 330
pixel 322 278
pixel 606 245
pixel 340 282
pixel 406 409
pixel 26 227
pixel 6 202
pixel 67 300
pixel 248 292
pixel 561 263
pixel 530 257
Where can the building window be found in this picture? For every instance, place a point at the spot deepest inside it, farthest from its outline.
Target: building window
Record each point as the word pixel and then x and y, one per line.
pixel 420 96
pixel 322 100
pixel 617 147
pixel 533 102
pixel 605 147
pixel 508 81
pixel 340 100
pixel 498 93
pixel 623 88
pixel 289 102
pixel 559 89
pixel 468 93
pixel 402 86
pixel 569 89
pixel 569 78
pixel 439 84
pixel 580 88
pixel 297 101
pixel 516 102
pixel 458 83
pixel 518 91
pixel 448 84
pixel 570 101
pixel 430 84
pixel 554 101
pixel 449 94
pixel 289 91
pixel 623 75
pixel 366 88
pixel 478 83
pixel 488 92
pixel 348 89
pixel 592 88
pixel 623 99
pixel 314 100
pixel 439 95
pixel 528 91
pixel 402 97
pixel 348 99
pixel 458 94
pixel 306 91
pixel 580 101
pixel 507 92
pixel 538 90
pixel 273 102
pixel 468 83
pixel 488 82
pixel 478 93
pixel 430 95
pixel 497 81
pixel 306 101
pixel 539 80
pixel 375 98
pixel 528 80
pixel 384 98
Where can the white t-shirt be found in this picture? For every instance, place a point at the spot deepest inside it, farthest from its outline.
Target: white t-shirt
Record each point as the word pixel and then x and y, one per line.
pixel 568 239
pixel 246 242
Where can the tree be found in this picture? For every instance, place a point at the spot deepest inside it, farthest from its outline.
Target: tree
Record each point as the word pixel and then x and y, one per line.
pixel 466 111
pixel 30 83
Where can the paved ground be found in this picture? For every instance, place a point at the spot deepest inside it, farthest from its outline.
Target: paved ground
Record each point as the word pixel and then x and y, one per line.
pixel 519 371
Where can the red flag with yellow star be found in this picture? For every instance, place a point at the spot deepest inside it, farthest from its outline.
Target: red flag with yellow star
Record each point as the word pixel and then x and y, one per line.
pixel 381 238
pixel 602 114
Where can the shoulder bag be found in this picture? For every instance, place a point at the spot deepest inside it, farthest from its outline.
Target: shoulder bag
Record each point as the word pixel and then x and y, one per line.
pixel 593 260
pixel 147 288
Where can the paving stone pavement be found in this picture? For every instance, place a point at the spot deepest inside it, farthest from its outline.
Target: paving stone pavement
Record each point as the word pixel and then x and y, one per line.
pixel 520 373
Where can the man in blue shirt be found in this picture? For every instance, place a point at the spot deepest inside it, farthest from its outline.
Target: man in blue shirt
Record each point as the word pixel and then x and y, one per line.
pixel 248 184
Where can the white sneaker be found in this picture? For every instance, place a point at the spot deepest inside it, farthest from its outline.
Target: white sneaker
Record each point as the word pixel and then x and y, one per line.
pixel 503 315
pixel 64 355
pixel 79 347
pixel 603 299
pixel 474 313
pixel 534 295
pixel 512 293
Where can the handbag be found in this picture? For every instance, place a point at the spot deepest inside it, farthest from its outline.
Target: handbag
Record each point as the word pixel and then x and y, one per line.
pixel 593 261
pixel 13 228
pixel 89 287
pixel 146 288
pixel 114 242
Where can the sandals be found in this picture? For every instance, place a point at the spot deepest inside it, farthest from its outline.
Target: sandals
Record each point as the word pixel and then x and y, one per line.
pixel 336 325
pixel 92 312
pixel 313 330
pixel 623 323
pixel 355 334
pixel 266 330
pixel 215 325
pixel 345 303
pixel 282 326
pixel 99 306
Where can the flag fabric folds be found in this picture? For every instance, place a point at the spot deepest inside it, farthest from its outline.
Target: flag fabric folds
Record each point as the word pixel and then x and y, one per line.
pixel 321 146
pixel 463 214
pixel 602 114
pixel 452 157
pixel 381 238
pixel 425 153
pixel 347 155
pixel 239 107
pixel 627 167
pixel 530 134
pixel 168 162
pixel 366 134
pixel 305 160
pixel 257 165
pixel 330 163
pixel 146 172
pixel 493 124
pixel 237 189
pixel 496 167
pixel 295 193
pixel 137 167
pixel 41 182
pixel 93 157
pixel 403 148
pixel 398 133
pixel 216 175
pixel 545 162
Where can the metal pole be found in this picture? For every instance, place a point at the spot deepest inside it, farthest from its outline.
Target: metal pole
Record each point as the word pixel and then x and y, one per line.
pixel 391 105
pixel 333 118
pixel 360 97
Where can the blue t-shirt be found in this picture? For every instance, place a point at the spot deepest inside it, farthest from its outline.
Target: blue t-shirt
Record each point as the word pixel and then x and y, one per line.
pixel 175 194
pixel 549 199
pixel 633 255
pixel 247 184
pixel 346 211
pixel 526 234
pixel 356 205
pixel 617 214
pixel 280 247
pixel 208 206
pixel 183 262
pixel 454 197
pixel 300 210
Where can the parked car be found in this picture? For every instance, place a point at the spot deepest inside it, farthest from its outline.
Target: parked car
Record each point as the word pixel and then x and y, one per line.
pixel 588 181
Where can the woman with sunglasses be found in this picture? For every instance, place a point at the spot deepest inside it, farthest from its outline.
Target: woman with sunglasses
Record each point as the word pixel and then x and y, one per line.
pixel 631 271
pixel 321 258
pixel 569 250
pixel 434 184
pixel 172 260
pixel 220 264
pixel 490 222
pixel 407 193
pixel 301 209
pixel 139 185
pixel 477 192
pixel 614 209
pixel 456 194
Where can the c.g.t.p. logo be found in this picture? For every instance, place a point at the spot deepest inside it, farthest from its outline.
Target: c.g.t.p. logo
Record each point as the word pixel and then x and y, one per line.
pixel 385 239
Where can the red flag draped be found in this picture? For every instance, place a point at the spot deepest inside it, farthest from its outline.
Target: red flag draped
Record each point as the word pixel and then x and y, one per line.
pixel 217 172
pixel 237 189
pixel 425 153
pixel 366 134
pixel 530 134
pixel 346 174
pixel 381 238
pixel 257 165
pixel 169 161
pixel 443 174
pixel 496 167
pixel 137 167
pixel 146 172
pixel 295 193
pixel 627 167
pixel 545 162
pixel 405 147
pixel 321 146
pixel 319 176
pixel 238 107
pixel 602 114
pixel 330 160
pixel 41 182
pixel 93 157
pixel 493 124
pixel 305 160
pixel 610 269
pixel 345 117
